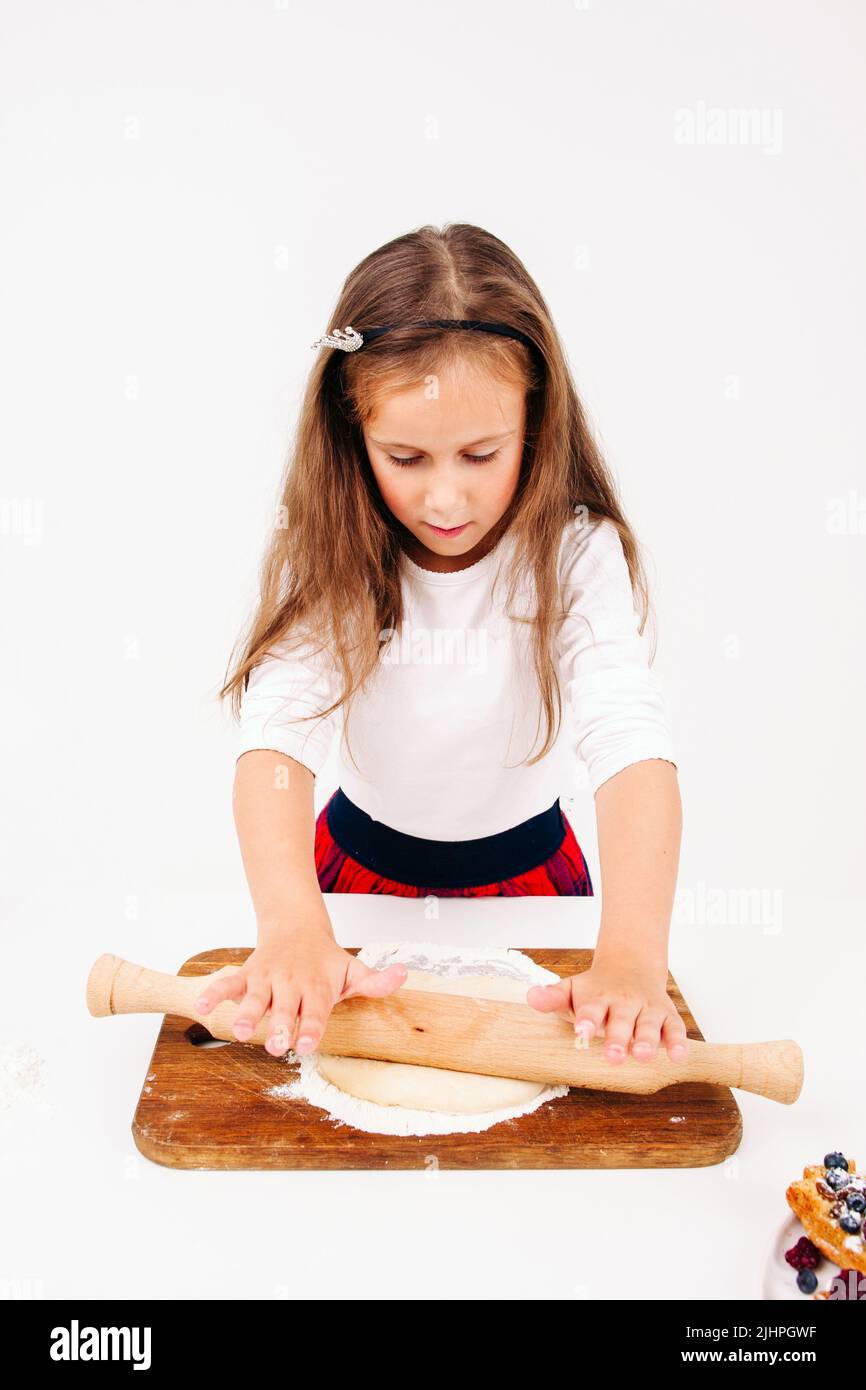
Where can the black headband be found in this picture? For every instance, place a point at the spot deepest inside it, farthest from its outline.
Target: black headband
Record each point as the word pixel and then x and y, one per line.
pixel 475 324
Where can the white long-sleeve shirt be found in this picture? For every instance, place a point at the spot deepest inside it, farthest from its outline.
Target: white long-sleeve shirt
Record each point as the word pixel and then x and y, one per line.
pixel 443 722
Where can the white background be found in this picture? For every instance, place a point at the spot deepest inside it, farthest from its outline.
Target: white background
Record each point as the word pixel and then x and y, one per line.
pixel 184 189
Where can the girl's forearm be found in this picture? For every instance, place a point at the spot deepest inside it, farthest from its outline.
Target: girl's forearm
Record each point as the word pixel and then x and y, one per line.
pixel 639 815
pixel 275 821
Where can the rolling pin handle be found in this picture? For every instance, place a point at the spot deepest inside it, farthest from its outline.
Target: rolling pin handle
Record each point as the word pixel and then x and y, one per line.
pixel 100 983
pixel 771 1069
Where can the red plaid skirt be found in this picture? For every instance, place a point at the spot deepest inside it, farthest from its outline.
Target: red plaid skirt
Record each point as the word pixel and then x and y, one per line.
pixel 564 874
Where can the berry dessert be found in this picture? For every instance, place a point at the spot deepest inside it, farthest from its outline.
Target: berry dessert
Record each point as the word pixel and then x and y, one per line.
pixel 830 1201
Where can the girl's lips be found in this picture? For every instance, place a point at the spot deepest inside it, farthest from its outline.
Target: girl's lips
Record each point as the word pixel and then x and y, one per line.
pixel 447 530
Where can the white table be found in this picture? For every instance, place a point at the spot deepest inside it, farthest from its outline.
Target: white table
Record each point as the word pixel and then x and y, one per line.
pixel 87 1216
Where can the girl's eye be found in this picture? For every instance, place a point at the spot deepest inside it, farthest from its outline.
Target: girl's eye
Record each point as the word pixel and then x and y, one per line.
pixel 474 458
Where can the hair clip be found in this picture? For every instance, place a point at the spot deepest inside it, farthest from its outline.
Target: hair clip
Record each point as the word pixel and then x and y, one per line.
pixel 349 341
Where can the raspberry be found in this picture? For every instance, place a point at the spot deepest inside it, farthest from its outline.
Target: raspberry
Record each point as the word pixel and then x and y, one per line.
pixel 803 1255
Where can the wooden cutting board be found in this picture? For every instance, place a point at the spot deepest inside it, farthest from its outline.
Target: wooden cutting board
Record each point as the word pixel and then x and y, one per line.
pixel 209 1106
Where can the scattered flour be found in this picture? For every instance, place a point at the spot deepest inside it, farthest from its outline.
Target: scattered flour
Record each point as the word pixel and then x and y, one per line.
pixel 448 961
pixel 20 1074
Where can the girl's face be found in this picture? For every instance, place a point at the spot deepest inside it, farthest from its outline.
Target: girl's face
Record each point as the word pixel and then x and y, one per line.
pixel 446 456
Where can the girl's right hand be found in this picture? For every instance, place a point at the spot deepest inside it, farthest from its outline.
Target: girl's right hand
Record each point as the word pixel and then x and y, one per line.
pixel 296 977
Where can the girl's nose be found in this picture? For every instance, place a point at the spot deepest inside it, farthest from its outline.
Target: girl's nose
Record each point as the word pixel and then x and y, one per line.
pixel 445 495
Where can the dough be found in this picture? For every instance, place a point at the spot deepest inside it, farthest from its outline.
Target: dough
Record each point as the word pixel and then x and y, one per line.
pixel 435 1088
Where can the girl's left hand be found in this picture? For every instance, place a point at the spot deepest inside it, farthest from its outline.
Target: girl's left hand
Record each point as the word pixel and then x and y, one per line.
pixel 628 1001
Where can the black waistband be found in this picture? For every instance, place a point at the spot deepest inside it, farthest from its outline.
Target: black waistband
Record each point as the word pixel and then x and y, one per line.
pixel 443 863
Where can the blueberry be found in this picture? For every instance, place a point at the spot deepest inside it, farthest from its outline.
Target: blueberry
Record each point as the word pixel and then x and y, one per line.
pixel 807 1281
pixel 835 1160
pixel 836 1178
pixel 850 1223
pixel 855 1200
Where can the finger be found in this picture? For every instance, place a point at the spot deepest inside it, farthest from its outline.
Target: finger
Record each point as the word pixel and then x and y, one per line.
pixel 227 987
pixel 282 1020
pixel 674 1037
pixel 647 1033
pixel 373 984
pixel 313 1016
pixel 589 1019
pixel 252 1010
pixel 548 998
pixel 618 1031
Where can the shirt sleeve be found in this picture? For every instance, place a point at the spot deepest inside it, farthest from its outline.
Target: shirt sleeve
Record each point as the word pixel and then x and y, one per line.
pixel 290 682
pixel 614 699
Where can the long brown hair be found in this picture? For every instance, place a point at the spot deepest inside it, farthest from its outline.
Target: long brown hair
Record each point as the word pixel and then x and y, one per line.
pixel 331 570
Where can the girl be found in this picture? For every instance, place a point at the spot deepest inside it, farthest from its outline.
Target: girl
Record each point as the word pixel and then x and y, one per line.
pixel 450 561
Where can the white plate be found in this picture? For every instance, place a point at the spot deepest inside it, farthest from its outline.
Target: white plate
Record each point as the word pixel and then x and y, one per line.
pixel 780 1278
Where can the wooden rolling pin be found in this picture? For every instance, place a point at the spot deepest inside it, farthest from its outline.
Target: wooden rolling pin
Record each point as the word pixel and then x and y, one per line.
pixel 463 1034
